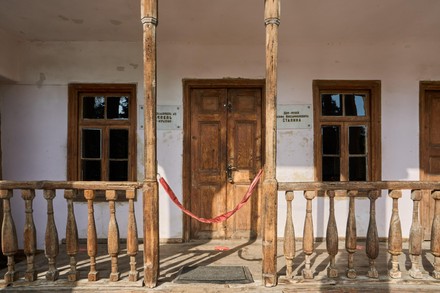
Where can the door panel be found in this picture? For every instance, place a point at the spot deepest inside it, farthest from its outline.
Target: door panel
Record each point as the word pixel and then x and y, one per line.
pixel 429 152
pixel 225 131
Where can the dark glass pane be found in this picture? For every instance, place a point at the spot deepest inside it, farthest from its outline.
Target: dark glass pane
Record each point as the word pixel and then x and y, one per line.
pixel 91 170
pixel 118 144
pixel 330 169
pixel 91 143
pixel 330 140
pixel 118 171
pixel 357 136
pixel 357 169
pixel 117 108
pixel 93 107
pixel 355 105
pixel 331 105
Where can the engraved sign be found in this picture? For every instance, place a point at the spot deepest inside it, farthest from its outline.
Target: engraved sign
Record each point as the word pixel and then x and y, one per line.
pixel 169 117
pixel 294 116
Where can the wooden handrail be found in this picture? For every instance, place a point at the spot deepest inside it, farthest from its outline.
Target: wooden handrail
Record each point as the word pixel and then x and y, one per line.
pixel 350 185
pixel 84 185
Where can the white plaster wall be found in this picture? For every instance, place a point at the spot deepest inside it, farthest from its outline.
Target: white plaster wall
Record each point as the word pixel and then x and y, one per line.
pixel 9 57
pixel 34 113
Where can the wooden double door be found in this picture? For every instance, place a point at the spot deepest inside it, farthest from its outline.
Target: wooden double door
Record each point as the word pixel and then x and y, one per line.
pixel 224 151
pixel 429 148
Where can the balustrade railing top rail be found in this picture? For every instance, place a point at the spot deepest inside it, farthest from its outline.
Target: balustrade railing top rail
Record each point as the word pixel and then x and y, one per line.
pixel 350 185
pixel 90 185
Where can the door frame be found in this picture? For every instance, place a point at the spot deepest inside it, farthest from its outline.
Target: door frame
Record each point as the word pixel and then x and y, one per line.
pixel 426 211
pixel 188 85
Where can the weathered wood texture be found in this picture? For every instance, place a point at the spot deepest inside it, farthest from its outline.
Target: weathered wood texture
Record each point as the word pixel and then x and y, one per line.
pixel 415 237
pixel 435 235
pixel 372 242
pixel 72 244
pixel 113 235
pixel 29 235
pixel 92 245
pixel 272 21
pixel 150 188
pixel 132 236
pixel 289 236
pixel 332 237
pixel 9 236
pixel 350 235
pixel 308 238
pixel 395 235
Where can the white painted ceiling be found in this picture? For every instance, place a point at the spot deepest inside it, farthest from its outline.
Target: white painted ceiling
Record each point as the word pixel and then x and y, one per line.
pixel 217 21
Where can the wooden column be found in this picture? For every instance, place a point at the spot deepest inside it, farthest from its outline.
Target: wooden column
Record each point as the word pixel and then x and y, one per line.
pixel 132 236
pixel 435 235
pixel 150 188
pixel 9 236
pixel 113 235
pixel 351 235
pixel 51 249
pixel 72 243
pixel 308 236
pixel 92 238
pixel 415 236
pixel 372 243
pixel 270 188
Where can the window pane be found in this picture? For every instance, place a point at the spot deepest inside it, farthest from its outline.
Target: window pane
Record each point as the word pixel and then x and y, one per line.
pixel 118 170
pixel 355 105
pixel 331 105
pixel 91 170
pixel 330 140
pixel 93 107
pixel 117 108
pixel 330 169
pixel 357 169
pixel 357 136
pixel 91 143
pixel 118 144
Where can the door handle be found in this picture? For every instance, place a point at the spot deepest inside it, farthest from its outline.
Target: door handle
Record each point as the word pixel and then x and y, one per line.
pixel 229 170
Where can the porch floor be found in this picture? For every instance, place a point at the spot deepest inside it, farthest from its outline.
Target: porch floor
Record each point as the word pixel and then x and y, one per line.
pixel 240 253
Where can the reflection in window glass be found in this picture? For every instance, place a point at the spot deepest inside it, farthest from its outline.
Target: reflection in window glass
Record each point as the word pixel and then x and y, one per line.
pixel 357 136
pixel 330 140
pixel 331 105
pixel 357 168
pixel 93 107
pixel 354 105
pixel 117 108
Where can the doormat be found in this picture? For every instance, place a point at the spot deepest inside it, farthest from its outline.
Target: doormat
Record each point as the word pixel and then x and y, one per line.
pixel 214 275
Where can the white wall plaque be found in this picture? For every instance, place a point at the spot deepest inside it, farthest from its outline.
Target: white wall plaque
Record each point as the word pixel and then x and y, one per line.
pixel 294 116
pixel 169 117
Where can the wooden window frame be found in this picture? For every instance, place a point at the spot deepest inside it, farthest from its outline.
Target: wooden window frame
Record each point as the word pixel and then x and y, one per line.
pixel 373 107
pixel 76 91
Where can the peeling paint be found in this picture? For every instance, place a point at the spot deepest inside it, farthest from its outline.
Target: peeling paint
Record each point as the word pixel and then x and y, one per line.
pixel 120 68
pixel 134 65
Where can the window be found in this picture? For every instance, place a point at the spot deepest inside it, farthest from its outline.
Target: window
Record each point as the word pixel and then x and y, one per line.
pixel 347 130
pixel 102 132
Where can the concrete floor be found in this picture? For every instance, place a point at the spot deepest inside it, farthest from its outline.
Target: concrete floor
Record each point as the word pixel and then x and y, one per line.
pixel 238 253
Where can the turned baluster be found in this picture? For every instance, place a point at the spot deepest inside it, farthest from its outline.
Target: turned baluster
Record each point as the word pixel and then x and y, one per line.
pixel 415 237
pixel 350 235
pixel 395 235
pixel 92 245
pixel 372 243
pixel 51 238
pixel 132 236
pixel 113 235
pixel 9 237
pixel 435 235
pixel 29 235
pixel 332 237
pixel 308 238
pixel 289 236
pixel 72 244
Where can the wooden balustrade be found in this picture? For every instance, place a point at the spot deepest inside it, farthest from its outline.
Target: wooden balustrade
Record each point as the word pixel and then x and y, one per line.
pixel 9 243
pixel 371 190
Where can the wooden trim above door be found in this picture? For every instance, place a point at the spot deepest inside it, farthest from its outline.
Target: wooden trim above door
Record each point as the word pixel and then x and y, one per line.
pixel 188 85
